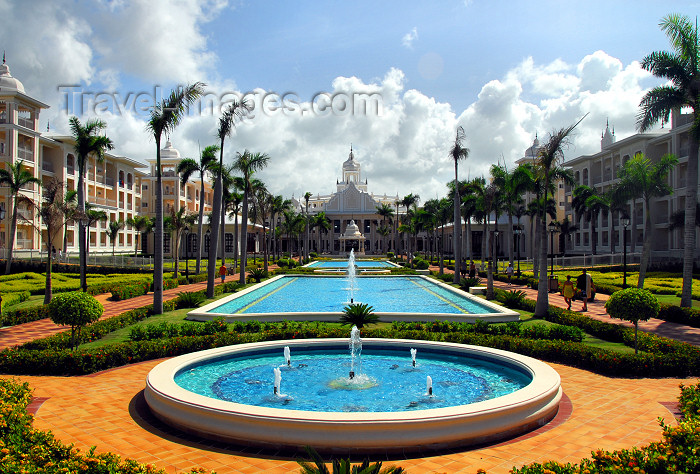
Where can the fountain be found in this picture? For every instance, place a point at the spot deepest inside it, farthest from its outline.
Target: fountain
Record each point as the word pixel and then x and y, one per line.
pixel 287 356
pixel 413 356
pixel 352 275
pixel 229 398
pixel 355 350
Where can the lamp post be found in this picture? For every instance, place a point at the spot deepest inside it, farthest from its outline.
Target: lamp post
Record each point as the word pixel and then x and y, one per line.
pixel 495 237
pixel 552 229
pixel 187 254
pixel 2 218
pixel 625 223
pixel 518 231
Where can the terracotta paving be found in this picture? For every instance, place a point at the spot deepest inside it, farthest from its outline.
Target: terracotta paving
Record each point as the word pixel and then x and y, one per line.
pixel 107 410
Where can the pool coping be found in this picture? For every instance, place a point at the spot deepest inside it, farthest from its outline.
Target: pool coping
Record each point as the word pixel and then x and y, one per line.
pixel 501 316
pixel 477 423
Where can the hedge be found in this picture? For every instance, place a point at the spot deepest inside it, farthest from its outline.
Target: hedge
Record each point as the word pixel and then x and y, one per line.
pixel 25 315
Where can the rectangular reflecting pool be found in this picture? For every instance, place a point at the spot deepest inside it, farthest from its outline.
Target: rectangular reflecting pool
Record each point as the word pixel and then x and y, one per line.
pixel 342 264
pixel 306 297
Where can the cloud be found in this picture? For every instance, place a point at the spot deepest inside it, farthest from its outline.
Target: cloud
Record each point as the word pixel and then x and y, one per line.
pixel 409 38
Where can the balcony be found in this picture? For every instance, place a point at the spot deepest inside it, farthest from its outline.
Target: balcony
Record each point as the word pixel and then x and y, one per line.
pixel 47 166
pixel 3 149
pixel 109 181
pixel 26 123
pixel 70 170
pixel 129 206
pixel 23 244
pixel 26 154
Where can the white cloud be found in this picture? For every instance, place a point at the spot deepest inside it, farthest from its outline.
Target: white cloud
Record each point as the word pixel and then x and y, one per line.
pixel 409 38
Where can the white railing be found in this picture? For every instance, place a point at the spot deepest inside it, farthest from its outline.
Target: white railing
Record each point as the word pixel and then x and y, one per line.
pixel 25 154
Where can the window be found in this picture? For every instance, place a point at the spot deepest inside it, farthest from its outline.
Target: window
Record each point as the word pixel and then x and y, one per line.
pixel 336 226
pixel 228 240
pixel 207 239
pixel 166 243
pixel 144 204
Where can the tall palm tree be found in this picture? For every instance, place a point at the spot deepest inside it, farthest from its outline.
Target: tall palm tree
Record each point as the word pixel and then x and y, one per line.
pixel 16 178
pixel 88 142
pixel 186 168
pixel 681 67
pixel 307 196
pixel 549 169
pixel 323 223
pixel 618 208
pixel 279 205
pixel 175 223
pixel 235 110
pixel 588 203
pixel 247 164
pixel 290 225
pixel 69 208
pixel 566 228
pixel 113 232
pixel 512 185
pixel 408 201
pixel 142 224
pixel 457 152
pixel 53 217
pixel 385 211
pixel 262 203
pixel 475 208
pixel 92 216
pixel 640 178
pixel 444 214
pixel 164 118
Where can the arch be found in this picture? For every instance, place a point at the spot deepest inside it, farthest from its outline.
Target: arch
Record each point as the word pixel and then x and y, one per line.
pixel 121 178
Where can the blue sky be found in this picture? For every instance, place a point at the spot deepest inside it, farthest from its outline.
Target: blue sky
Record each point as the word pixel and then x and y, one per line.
pixel 504 70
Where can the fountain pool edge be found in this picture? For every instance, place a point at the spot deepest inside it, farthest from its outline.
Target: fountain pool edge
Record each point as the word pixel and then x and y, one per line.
pixel 503 315
pixel 361 432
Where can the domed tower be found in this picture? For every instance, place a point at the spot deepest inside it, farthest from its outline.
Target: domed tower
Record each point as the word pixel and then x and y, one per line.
pixel 607 138
pixel 7 82
pixel 351 174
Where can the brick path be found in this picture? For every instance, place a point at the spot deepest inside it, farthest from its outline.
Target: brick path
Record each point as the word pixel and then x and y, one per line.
pixel 596 310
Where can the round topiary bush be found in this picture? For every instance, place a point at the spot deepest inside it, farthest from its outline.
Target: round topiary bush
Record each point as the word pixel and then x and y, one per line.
pixel 74 309
pixel 633 304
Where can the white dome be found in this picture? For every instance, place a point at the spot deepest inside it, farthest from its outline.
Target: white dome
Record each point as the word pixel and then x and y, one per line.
pixel 7 82
pixel 168 152
pixel 352 230
pixel 350 163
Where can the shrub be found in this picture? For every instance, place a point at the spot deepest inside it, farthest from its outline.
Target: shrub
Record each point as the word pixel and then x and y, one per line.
pixel 466 283
pixel 125 292
pixel 513 298
pixel 75 309
pixel 390 255
pixel 420 264
pixel 257 274
pixel 632 304
pixel 190 299
pixel 26 315
pixel 359 314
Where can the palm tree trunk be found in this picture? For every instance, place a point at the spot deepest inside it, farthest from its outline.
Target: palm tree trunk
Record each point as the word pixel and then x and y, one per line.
pixel 82 240
pixel 646 247
pixel 468 237
pixel 158 250
pixel 48 292
pixel 484 243
pixel 244 234
pixel 689 229
pixel 199 225
pixel 535 244
pixel 509 235
pixel 542 304
pixel 223 233
pixel 13 232
pixel 176 249
pixel 214 227
pixel 264 248
pixel 457 228
pixel 489 272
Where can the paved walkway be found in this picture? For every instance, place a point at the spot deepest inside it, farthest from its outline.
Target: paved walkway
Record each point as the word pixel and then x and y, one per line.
pixel 21 333
pixel 596 310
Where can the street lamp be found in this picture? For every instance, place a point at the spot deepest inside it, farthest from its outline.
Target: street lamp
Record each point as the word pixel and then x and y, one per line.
pixel 552 229
pixel 495 236
pixel 625 223
pixel 187 254
pixel 518 231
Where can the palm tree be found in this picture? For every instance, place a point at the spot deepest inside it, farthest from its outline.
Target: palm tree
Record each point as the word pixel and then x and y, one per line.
pixel 186 168
pixel 279 205
pixel 617 205
pixel 512 185
pixel 408 201
pixel 640 178
pixel 88 142
pixel 113 232
pixel 69 208
pixel 142 224
pixel 92 216
pixel 164 118
pixel 457 152
pixel 247 163
pixel 307 196
pixel 16 178
pixel 681 67
pixel 227 120
pixel 549 170
pixel 566 228
pixel 262 203
pixel 385 211
pixel 588 203
pixel 176 223
pixel 474 203
pixel 323 223
pixel 53 217
pixel 290 226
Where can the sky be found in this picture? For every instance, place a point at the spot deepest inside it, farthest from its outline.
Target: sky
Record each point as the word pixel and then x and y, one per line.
pixel 393 79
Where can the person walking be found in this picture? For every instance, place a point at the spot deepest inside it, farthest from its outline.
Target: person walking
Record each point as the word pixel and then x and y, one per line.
pixel 509 272
pixel 472 269
pixel 584 283
pixel 222 272
pixel 568 291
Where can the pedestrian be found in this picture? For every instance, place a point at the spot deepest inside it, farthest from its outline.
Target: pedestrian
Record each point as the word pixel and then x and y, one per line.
pixel 222 272
pixel 509 272
pixel 463 268
pixel 584 283
pixel 568 291
pixel 60 255
pixel 53 253
pixel 472 269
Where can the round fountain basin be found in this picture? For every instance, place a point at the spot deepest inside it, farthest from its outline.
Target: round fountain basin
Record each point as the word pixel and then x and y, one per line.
pixel 419 426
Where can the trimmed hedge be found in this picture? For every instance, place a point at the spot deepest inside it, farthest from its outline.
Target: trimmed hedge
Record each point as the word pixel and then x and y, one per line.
pixel 26 315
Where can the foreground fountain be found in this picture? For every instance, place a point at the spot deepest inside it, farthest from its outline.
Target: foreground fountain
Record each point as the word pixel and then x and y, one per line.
pixel 417 426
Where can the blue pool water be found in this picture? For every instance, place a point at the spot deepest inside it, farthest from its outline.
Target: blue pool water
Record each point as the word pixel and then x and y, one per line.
pixel 319 382
pixel 342 264
pixel 399 294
